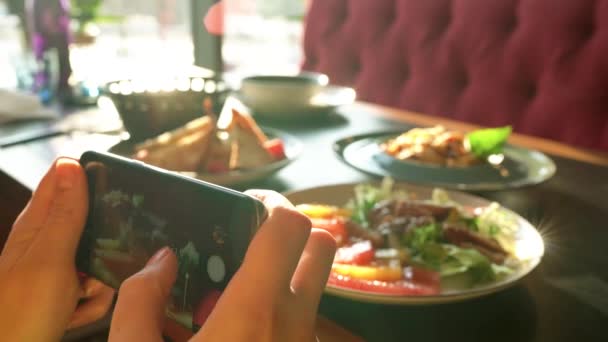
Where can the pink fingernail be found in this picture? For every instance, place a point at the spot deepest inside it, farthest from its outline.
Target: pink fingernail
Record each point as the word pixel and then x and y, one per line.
pixel 158 256
pixel 65 173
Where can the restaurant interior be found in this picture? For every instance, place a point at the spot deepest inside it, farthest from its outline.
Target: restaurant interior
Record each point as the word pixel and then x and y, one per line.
pixel 456 150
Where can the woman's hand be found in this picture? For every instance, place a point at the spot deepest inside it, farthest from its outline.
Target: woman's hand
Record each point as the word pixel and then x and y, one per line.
pixel 274 295
pixel 95 302
pixel 39 287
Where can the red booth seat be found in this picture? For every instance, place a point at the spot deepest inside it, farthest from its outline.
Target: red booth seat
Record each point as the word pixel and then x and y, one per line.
pixel 538 65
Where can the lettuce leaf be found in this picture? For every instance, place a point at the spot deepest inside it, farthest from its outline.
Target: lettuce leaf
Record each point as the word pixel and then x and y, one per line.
pixel 450 260
pixel 419 237
pixel 367 196
pixel 499 224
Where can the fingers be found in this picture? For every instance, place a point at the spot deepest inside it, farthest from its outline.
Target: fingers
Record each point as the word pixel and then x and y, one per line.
pixel 278 244
pixel 139 312
pixel 313 269
pixel 32 217
pixel 36 210
pixel 67 213
pixel 51 199
pixel 99 298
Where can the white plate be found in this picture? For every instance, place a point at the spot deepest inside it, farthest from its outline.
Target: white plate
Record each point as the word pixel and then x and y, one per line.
pixel 529 246
pixel 293 148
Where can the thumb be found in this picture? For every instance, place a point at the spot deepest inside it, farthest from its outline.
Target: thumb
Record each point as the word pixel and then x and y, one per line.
pixel 140 308
pixel 67 212
pixel 54 217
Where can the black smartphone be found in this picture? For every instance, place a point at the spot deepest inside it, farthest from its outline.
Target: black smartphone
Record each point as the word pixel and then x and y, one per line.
pixel 136 209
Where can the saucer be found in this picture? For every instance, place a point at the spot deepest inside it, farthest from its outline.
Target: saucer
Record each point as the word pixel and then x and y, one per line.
pixel 329 98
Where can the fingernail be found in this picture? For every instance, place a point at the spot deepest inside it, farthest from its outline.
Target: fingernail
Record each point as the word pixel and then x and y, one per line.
pixel 65 173
pixel 158 256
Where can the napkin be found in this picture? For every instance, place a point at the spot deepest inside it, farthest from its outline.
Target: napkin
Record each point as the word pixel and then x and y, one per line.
pixel 22 106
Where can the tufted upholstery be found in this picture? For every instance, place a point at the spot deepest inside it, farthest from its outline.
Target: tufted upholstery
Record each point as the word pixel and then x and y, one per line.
pixel 539 65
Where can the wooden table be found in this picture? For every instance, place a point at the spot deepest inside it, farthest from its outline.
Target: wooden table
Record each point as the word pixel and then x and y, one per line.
pixel 564 299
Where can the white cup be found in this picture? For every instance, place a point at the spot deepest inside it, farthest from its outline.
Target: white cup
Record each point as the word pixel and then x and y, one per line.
pixel 268 94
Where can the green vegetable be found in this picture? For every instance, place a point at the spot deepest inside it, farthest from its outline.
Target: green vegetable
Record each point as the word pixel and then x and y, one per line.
pixel 115 198
pixel 431 255
pixel 478 265
pixel 188 257
pixel 485 142
pixel 417 238
pixel 367 196
pixel 426 245
pixel 431 252
pixel 112 244
pixel 100 271
pixel 138 200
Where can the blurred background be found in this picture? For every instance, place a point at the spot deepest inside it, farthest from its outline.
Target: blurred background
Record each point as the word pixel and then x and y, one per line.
pixel 114 39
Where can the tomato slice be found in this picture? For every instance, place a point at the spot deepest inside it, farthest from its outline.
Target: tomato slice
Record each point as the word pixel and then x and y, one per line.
pixel 276 148
pixel 423 276
pixel 217 166
pixel 396 288
pixel 335 226
pixel 359 253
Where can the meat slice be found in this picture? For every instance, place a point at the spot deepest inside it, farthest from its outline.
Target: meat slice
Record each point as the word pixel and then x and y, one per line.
pixel 406 208
pixel 355 230
pixel 466 238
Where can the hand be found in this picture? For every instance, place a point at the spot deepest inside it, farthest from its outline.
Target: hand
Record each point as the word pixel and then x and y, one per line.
pixel 274 295
pixel 95 302
pixel 39 287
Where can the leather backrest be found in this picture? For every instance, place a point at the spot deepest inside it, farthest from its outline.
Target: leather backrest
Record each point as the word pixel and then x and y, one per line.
pixel 538 65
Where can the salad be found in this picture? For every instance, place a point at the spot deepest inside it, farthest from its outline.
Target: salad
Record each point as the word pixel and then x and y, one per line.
pixel 439 146
pixel 392 243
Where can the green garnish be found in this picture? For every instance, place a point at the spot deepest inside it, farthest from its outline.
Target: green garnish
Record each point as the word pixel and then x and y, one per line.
pixel 418 237
pixel 485 142
pixel 138 200
pixel 367 196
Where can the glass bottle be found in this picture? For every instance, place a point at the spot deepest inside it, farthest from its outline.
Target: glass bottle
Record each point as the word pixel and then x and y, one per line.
pixel 49 27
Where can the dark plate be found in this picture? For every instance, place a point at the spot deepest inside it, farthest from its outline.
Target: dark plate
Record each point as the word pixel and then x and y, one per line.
pixel 293 148
pixel 521 166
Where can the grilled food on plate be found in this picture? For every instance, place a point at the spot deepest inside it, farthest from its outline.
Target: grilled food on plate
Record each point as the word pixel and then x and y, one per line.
pixel 232 142
pixel 440 146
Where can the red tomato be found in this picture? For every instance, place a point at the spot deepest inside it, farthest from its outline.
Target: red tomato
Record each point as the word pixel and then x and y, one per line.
pixel 335 226
pixel 360 253
pixel 396 288
pixel 217 167
pixel 422 276
pixel 205 306
pixel 276 148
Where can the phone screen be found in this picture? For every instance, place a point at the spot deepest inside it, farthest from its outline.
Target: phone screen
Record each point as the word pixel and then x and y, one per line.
pixel 135 211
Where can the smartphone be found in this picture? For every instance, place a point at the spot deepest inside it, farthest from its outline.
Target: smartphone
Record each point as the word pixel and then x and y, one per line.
pixel 135 209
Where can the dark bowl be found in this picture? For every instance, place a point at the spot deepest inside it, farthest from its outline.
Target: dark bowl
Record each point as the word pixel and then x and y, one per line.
pixel 147 111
